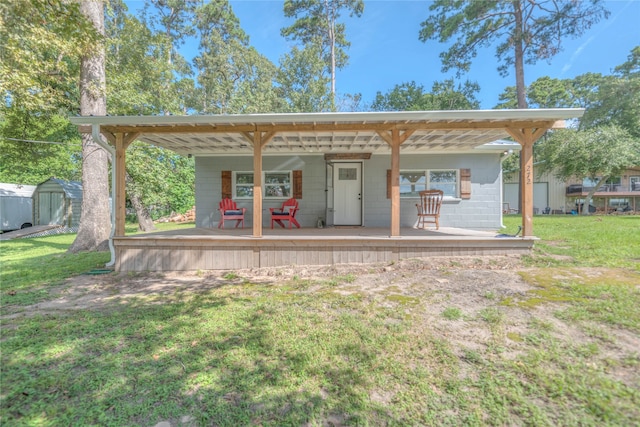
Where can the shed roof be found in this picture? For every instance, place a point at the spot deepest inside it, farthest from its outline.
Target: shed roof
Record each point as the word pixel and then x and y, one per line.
pixel 431 131
pixel 72 189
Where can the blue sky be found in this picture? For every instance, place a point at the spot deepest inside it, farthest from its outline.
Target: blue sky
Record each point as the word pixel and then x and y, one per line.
pixel 385 49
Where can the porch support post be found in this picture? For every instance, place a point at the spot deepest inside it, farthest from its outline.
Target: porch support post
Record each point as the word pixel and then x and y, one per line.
pixel 260 139
pixel 526 187
pixel 257 184
pixel 121 195
pixel 395 140
pixel 395 182
pixel 526 138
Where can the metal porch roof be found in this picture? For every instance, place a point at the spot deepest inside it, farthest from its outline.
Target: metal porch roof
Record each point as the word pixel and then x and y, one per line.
pixel 297 133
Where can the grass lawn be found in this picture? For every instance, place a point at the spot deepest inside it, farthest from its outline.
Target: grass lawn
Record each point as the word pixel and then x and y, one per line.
pixel 555 342
pixel 589 241
pixel 30 267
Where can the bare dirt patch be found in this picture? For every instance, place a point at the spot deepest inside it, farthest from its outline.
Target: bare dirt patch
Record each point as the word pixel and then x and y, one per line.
pixel 423 289
pixel 464 279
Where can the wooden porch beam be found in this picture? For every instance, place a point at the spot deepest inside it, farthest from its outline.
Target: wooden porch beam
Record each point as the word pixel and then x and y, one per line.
pixel 406 134
pixel 257 184
pixel 121 195
pixel 258 139
pixel 248 136
pixel 526 137
pixel 128 138
pixel 385 136
pixel 402 135
pixel 110 137
pixel 328 127
pixel 395 138
pixel 266 137
pixel 396 141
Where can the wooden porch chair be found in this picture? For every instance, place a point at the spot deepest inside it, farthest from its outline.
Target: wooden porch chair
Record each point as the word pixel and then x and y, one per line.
pixel 286 213
pixel 429 207
pixel 229 211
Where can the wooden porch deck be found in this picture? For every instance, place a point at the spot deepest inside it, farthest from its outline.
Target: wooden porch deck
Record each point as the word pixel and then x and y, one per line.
pixel 228 249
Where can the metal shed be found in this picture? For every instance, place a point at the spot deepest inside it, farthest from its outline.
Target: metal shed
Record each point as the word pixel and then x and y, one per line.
pixel 58 202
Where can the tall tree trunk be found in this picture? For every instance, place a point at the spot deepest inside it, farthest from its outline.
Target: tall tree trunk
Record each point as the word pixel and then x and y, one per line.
pixel 332 37
pixel 95 220
pixel 521 90
pixel 145 223
pixel 587 201
pixel 333 75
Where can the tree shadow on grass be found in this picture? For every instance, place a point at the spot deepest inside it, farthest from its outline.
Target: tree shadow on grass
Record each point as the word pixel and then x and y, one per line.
pixel 215 358
pixel 35 274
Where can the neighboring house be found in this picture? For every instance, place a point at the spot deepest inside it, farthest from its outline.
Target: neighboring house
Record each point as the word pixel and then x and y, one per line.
pixel 16 207
pixel 58 202
pixel 548 192
pixel 619 193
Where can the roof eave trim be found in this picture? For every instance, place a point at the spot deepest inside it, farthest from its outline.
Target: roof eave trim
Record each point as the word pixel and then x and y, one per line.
pixel 359 117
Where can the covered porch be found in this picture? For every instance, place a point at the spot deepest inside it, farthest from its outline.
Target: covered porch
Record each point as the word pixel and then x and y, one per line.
pixel 396 136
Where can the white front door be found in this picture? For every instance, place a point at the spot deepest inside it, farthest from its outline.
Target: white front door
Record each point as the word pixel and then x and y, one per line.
pixel 347 193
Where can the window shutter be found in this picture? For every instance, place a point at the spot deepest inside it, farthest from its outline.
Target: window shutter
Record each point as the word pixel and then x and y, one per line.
pixel 465 183
pixel 388 183
pixel 297 184
pixel 226 185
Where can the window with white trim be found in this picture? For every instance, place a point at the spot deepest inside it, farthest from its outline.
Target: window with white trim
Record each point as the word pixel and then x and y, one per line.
pixel 243 185
pixel 414 181
pixel 445 180
pixel 275 185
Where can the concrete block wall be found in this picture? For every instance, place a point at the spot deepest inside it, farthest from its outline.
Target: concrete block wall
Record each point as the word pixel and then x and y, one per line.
pixel 209 187
pixel 481 212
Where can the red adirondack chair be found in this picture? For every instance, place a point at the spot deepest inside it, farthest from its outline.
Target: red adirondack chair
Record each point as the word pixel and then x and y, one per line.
pixel 286 213
pixel 229 210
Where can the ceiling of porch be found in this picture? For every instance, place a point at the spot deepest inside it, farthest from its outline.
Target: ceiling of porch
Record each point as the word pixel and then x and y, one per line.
pixel 321 142
pixel 428 131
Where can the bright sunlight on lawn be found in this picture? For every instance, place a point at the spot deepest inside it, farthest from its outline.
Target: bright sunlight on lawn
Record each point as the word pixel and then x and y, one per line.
pixel 551 339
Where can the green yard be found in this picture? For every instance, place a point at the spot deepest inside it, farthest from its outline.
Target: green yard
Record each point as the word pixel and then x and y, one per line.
pixel 551 339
